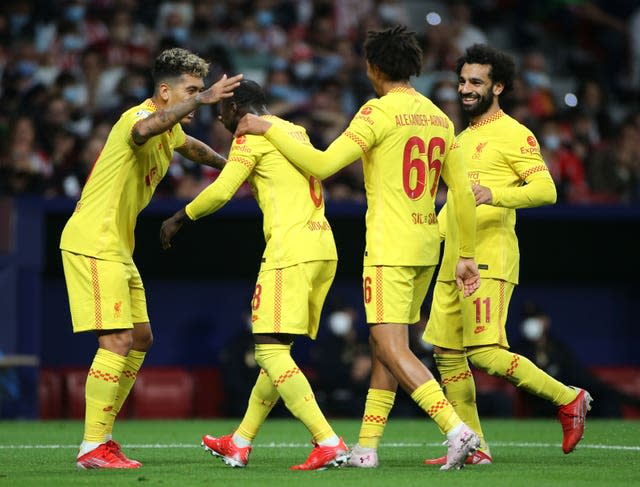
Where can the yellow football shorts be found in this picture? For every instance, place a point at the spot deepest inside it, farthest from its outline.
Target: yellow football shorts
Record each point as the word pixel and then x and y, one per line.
pixel 103 294
pixel 456 322
pixel 395 294
pixel 290 300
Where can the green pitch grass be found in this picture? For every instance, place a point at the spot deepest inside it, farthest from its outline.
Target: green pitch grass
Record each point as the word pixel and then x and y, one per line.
pixel 527 453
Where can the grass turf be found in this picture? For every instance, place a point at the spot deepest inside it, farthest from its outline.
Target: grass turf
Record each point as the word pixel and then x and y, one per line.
pixel 527 453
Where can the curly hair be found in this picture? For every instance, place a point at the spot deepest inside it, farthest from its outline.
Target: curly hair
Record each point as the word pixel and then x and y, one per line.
pixel 171 63
pixel 503 67
pixel 249 94
pixel 395 51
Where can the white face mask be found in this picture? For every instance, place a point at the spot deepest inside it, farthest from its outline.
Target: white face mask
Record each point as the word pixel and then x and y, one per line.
pixel 340 323
pixel 532 328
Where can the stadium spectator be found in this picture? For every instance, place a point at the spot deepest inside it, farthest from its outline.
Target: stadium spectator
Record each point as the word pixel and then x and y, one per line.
pixel 100 44
pixel 558 360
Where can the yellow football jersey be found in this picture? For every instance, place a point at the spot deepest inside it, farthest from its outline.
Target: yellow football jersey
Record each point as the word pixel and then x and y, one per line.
pixel 503 155
pixel 403 140
pixel 292 202
pixel 120 186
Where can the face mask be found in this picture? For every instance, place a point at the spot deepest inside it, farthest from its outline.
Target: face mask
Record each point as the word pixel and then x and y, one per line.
pixel 74 94
pixel 532 329
pixel 340 323
pixel 137 92
pixel 74 13
pixel 72 42
pixel 179 34
pixel 551 142
pixel 536 79
pixel 264 18
pixel 303 69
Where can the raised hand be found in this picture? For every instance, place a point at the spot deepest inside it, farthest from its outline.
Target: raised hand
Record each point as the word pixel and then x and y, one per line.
pixel 223 88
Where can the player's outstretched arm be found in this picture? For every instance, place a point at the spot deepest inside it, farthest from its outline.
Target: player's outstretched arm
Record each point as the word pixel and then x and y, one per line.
pixel 164 119
pixel 321 164
pixel 198 151
pixel 171 226
pixel 467 276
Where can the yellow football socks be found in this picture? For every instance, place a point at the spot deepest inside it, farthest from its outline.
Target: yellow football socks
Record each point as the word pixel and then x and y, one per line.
pixel 460 389
pixel 133 362
pixel 100 393
pixel 376 414
pixel 263 397
pixel 294 388
pixel 521 372
pixel 429 396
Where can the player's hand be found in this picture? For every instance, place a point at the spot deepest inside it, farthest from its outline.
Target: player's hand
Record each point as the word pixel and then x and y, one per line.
pixel 467 276
pixel 252 124
pixel 223 88
pixel 170 227
pixel 483 195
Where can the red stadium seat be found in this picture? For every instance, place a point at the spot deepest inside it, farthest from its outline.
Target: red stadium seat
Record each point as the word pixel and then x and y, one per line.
pixel 49 394
pixel 163 392
pixel 208 396
pixel 74 382
pixel 625 379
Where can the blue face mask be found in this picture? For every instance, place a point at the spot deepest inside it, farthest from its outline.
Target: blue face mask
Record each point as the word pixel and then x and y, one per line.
pixel 72 94
pixel 179 34
pixel 72 42
pixel 26 68
pixel 74 13
pixel 137 92
pixel 264 18
pixel 551 142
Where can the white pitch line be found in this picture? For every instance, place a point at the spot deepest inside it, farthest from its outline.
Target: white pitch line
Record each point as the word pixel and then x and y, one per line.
pixel 495 444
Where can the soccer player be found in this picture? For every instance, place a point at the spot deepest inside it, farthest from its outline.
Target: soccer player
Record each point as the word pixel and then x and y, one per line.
pixel 106 294
pixel 506 172
pixel 298 267
pixel 403 140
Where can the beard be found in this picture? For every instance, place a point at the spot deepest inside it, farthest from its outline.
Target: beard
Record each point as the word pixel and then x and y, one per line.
pixel 482 104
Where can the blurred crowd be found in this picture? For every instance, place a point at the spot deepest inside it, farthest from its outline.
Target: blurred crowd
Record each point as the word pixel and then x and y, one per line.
pixel 69 68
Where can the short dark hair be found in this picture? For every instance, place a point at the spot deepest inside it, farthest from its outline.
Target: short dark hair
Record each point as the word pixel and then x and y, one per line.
pixel 503 67
pixel 395 51
pixel 171 63
pixel 249 94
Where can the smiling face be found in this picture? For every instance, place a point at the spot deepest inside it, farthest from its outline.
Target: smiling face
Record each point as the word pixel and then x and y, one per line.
pixel 477 92
pixel 179 90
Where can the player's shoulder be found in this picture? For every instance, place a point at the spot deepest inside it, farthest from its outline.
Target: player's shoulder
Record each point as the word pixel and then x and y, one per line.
pixel 510 123
pixel 141 110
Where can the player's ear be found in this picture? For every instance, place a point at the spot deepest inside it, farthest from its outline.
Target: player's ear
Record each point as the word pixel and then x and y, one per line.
pixel 498 88
pixel 163 91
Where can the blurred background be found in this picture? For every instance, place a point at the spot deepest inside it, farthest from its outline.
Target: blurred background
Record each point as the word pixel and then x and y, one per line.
pixel 69 68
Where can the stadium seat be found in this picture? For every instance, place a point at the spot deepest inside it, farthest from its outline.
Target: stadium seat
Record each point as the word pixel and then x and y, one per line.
pixel 625 379
pixel 163 392
pixel 208 392
pixel 496 395
pixel 49 394
pixel 74 382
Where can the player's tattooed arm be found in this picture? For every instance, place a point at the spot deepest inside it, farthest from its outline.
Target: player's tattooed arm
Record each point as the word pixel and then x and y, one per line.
pixel 162 120
pixel 200 152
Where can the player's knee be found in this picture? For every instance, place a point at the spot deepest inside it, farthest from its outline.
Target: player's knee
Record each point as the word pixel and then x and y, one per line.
pixel 485 360
pixel 119 342
pixel 142 338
